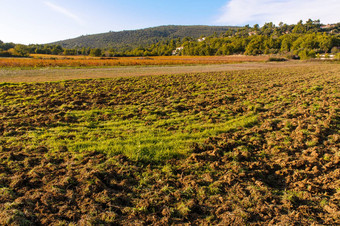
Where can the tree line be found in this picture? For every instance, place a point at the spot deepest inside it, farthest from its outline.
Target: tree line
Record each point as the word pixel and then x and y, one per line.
pixel 19 50
pixel 302 40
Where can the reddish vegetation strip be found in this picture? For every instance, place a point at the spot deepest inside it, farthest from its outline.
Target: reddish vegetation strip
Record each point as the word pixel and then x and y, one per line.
pixel 124 61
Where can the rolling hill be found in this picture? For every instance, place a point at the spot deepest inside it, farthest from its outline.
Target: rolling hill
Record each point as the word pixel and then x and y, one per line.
pixel 124 40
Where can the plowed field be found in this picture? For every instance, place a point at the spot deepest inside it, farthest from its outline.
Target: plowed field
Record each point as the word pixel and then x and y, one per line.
pixel 256 147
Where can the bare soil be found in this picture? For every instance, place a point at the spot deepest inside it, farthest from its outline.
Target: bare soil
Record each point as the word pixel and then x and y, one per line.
pixel 52 74
pixel 283 170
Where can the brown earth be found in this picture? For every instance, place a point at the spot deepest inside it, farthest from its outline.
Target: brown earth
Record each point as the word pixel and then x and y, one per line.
pixel 55 74
pixel 284 170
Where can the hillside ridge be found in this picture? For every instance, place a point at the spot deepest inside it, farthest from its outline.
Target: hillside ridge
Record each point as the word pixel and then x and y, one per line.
pixel 129 39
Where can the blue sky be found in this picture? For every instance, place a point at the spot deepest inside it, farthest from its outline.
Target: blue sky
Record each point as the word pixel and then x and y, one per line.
pixel 44 21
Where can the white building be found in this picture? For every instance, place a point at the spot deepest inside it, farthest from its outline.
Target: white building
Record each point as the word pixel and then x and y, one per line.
pixel 177 50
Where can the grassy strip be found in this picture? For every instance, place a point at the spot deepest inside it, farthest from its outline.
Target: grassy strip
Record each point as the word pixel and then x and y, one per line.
pixel 139 140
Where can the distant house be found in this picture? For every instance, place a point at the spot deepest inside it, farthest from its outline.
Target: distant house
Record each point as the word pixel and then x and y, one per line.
pixel 201 39
pixel 327 26
pixel 327 57
pixel 177 50
pixel 252 33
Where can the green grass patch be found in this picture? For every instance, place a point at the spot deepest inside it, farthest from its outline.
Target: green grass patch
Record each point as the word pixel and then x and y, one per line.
pixel 134 138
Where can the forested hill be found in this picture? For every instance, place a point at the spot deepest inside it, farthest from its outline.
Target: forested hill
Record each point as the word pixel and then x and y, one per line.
pixel 126 40
pixel 302 40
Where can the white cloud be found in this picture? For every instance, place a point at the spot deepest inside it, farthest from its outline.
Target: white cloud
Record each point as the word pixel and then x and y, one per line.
pixel 63 11
pixel 241 12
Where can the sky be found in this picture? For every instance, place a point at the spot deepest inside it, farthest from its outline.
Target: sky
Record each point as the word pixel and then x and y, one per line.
pixel 46 21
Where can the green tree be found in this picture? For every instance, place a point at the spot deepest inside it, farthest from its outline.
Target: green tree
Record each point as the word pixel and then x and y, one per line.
pixel 70 52
pixel 299 28
pixel 96 52
pixel 306 54
pixel 286 43
pixel 57 50
pixel 267 29
pixel 21 50
pixel 325 42
pixel 256 45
